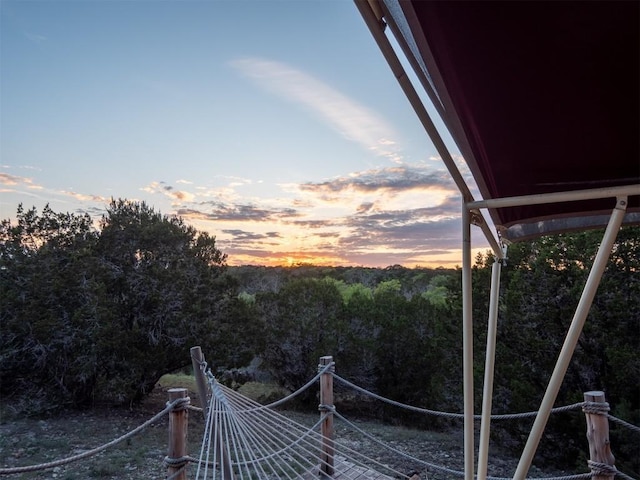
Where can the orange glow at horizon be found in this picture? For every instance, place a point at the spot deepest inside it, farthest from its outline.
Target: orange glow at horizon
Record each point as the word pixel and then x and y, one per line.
pixel 452 260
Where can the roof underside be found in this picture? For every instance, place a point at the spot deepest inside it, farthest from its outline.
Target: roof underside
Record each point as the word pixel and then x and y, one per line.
pixel 540 97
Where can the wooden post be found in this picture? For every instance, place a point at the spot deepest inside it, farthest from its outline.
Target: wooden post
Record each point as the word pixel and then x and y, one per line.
pixel 178 423
pixel 602 461
pixel 326 411
pixel 197 360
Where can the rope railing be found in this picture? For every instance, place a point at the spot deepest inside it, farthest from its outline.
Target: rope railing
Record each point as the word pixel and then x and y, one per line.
pixel 599 408
pixel 249 423
pixel 506 416
pixel 180 403
pixel 630 426
pixel 426 411
pixel 596 469
pixel 439 468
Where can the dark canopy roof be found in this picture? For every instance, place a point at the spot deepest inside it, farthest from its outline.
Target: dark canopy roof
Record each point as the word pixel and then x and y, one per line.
pixel 540 97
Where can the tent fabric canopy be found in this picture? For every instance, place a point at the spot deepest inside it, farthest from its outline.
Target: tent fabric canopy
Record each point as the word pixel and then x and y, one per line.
pixel 540 97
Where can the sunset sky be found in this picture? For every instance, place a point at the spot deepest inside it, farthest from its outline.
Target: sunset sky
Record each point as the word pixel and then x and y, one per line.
pixel 277 126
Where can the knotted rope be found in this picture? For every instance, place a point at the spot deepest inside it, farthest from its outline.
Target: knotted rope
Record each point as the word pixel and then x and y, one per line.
pixel 597 408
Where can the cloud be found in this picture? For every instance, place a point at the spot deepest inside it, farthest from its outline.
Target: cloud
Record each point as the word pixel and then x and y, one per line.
pixel 169 191
pixel 352 120
pixel 84 197
pixel 377 190
pixel 244 236
pixel 219 211
pixel 365 207
pixel 392 179
pixel 437 227
pixel 35 38
pixel 15 180
pixel 408 214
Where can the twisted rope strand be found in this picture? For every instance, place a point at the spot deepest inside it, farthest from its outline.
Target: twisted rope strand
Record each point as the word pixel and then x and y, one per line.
pixel 178 403
pixel 506 416
pixel 624 475
pixel 263 439
pixel 630 426
pixel 177 473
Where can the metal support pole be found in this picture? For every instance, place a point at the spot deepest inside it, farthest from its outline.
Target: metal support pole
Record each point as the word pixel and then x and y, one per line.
pixel 487 394
pixel 571 340
pixel 467 344
pixel 377 31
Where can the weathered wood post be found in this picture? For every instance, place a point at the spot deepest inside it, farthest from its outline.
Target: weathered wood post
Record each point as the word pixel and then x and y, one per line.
pixel 178 424
pixel 326 412
pixel 602 461
pixel 197 360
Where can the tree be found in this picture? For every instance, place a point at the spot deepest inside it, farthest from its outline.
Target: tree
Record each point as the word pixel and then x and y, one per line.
pixel 541 286
pixel 303 322
pixel 50 302
pixel 166 288
pixel 100 315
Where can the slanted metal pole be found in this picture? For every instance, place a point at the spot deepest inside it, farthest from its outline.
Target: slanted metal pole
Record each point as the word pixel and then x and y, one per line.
pixel 376 28
pixel 487 394
pixel 571 340
pixel 467 344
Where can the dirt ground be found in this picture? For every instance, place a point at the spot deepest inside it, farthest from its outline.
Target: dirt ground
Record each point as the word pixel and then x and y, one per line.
pixel 35 441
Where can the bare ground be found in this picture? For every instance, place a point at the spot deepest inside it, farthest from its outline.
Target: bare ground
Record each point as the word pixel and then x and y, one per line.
pixel 33 441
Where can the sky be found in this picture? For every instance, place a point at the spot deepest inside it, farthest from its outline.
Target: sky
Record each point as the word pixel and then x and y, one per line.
pixel 274 125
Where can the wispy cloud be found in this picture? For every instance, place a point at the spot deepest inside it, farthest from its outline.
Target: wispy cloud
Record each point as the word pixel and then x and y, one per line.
pixel 392 179
pixel 15 180
pixel 354 121
pixel 169 191
pixel 242 234
pixel 221 212
pixel 398 213
pixel 85 197
pixel 35 38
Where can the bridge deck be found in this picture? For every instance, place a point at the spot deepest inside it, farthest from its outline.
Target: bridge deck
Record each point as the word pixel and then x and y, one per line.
pixel 345 470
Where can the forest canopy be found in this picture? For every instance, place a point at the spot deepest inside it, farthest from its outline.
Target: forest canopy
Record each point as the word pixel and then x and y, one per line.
pixel 97 315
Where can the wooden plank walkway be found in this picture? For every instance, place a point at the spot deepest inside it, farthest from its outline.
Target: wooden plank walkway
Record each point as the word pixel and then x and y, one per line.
pixel 345 470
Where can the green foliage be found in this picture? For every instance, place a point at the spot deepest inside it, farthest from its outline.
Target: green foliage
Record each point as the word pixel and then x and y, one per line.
pixel 100 315
pixel 403 340
pixel 303 323
pixel 437 292
pixel 89 315
pixel 541 286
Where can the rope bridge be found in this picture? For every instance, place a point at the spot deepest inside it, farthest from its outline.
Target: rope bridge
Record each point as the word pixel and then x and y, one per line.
pixel 252 441
pixel 246 440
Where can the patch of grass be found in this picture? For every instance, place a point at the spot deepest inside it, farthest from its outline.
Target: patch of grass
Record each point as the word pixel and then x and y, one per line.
pixel 179 380
pixel 262 392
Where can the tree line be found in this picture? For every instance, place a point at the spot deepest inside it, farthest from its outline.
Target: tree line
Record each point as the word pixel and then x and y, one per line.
pixel 93 315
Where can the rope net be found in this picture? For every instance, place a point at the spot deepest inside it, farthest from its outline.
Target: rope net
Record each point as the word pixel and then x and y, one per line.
pixel 245 440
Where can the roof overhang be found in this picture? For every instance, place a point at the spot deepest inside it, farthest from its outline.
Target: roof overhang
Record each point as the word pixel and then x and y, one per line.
pixel 541 98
